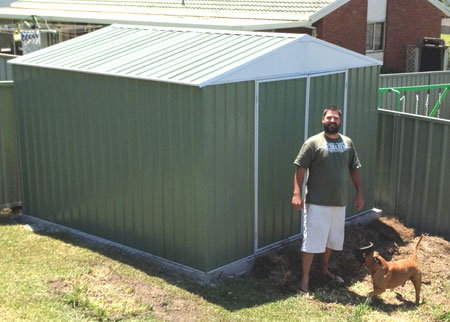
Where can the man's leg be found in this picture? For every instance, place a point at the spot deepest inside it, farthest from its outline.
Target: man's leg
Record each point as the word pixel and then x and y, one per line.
pixel 324 259
pixel 307 259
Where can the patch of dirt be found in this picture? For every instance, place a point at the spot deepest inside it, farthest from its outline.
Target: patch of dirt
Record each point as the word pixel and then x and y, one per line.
pixel 392 239
pixel 125 297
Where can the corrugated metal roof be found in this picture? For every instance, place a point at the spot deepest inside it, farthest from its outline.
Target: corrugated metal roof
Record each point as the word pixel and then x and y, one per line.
pixel 180 56
pixel 194 56
pixel 297 7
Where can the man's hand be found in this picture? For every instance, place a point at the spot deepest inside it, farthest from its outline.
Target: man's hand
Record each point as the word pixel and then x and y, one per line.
pixel 297 202
pixel 359 200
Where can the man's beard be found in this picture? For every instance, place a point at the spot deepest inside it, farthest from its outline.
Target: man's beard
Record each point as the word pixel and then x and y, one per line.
pixel 331 128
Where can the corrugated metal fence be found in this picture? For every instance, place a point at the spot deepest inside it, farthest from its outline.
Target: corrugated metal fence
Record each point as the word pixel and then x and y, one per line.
pixel 5 68
pixel 412 181
pixel 416 102
pixel 9 163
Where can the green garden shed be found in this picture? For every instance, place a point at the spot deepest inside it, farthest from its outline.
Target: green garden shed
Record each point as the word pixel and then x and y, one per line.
pixel 179 143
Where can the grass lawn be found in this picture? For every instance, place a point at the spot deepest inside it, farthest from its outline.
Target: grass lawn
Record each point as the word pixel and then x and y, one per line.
pixel 50 276
pixel 446 38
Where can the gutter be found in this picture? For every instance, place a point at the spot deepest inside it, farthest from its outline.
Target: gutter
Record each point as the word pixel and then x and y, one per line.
pixel 153 20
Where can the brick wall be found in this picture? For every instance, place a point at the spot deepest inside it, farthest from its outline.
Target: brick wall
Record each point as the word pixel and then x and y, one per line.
pixel 339 29
pixel 406 22
pixel 346 26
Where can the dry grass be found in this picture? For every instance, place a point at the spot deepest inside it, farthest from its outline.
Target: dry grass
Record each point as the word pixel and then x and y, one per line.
pixel 393 241
pixel 49 276
pixel 102 289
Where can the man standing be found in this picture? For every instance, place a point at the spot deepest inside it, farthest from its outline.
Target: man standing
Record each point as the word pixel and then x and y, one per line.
pixel 329 158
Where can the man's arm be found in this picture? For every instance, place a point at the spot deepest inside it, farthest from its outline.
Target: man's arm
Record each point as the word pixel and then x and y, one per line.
pixel 297 201
pixel 356 178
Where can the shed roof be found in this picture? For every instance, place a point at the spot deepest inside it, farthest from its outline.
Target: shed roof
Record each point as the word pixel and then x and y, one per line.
pixel 194 56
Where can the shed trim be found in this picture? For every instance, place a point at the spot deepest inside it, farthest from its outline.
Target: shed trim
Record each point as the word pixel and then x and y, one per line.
pixel 344 128
pixel 256 169
pixel 256 147
pixel 360 61
pixel 307 98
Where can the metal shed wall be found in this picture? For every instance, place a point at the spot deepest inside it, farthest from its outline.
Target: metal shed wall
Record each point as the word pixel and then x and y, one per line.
pixel 169 169
pixel 413 172
pixel 281 131
pixel 409 105
pixel 229 146
pixel 5 68
pixel 362 120
pixel 118 158
pixel 10 194
pixel 324 91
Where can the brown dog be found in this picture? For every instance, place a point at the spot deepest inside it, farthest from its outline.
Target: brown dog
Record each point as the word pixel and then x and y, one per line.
pixel 390 274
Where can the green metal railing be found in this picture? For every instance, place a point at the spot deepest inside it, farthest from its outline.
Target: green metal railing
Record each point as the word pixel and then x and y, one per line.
pixel 398 91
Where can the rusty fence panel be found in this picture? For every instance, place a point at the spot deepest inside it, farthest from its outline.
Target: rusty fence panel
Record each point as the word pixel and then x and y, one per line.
pixel 412 173
pixel 10 195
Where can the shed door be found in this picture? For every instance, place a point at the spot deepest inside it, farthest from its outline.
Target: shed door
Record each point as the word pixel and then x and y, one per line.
pixel 282 128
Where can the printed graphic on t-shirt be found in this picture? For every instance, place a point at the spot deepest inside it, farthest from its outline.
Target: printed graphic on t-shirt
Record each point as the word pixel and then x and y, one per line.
pixel 335 147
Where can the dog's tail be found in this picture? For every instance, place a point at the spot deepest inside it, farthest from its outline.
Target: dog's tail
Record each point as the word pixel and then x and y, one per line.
pixel 415 249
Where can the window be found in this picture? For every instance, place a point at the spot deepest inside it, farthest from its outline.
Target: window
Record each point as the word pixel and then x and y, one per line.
pixel 375 36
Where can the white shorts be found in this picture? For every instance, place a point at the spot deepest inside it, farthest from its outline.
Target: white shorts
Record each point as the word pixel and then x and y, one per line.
pixel 323 227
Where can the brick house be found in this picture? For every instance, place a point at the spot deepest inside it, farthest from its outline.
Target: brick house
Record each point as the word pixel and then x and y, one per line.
pixel 381 29
pixel 406 21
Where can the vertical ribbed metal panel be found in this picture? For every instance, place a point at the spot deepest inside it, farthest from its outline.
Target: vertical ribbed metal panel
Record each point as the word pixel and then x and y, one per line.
pixel 413 172
pixel 5 68
pixel 118 158
pixel 9 163
pixel 361 125
pixel 324 91
pixel 440 78
pixel 229 171
pixel 389 100
pixel 410 104
pixel 281 134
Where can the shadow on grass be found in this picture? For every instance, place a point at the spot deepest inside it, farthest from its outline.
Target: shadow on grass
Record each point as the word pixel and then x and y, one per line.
pixel 276 275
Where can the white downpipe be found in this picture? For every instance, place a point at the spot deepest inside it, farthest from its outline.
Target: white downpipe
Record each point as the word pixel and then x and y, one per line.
pixel 308 89
pixel 344 128
pixel 307 99
pixel 256 151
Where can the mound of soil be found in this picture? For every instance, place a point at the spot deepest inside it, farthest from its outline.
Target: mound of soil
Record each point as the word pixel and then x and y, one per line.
pixel 392 240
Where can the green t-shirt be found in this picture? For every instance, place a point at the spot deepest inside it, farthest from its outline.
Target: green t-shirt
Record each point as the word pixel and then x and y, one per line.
pixel 328 162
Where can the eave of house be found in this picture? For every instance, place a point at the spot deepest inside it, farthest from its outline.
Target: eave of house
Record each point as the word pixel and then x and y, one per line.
pixel 327 10
pixel 245 20
pixel 442 7
pixel 108 18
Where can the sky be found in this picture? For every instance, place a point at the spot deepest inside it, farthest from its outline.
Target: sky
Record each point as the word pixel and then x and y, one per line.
pixel 5 3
